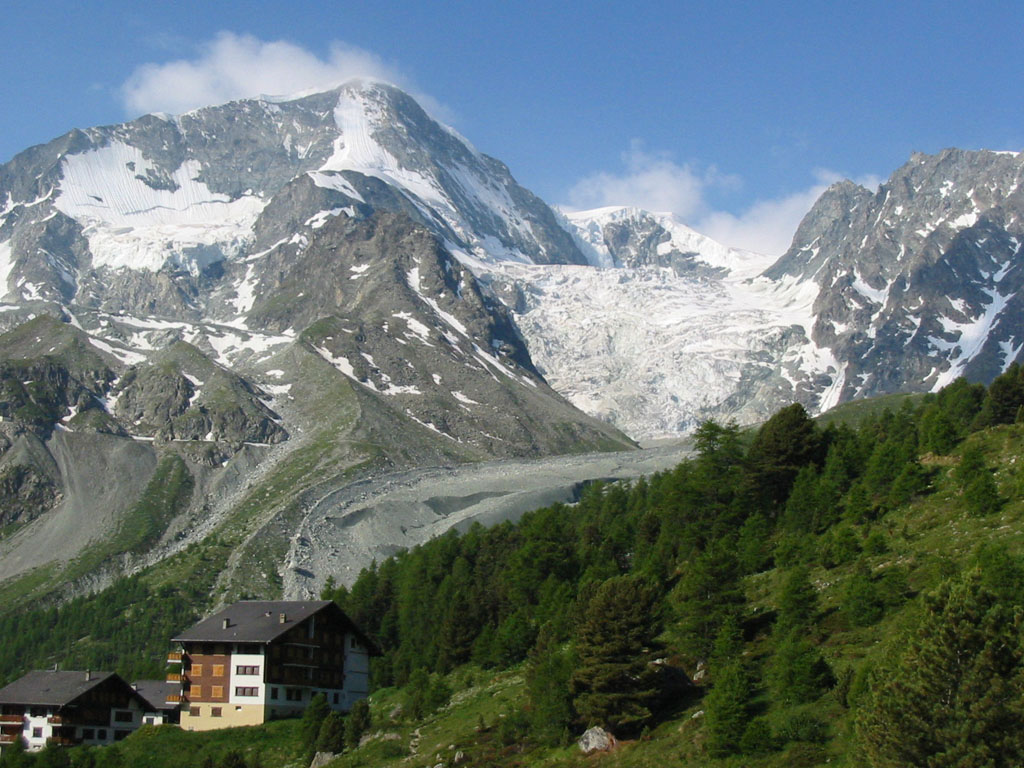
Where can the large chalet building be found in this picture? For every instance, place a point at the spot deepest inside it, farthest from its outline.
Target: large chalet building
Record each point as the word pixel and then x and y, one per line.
pixel 68 708
pixel 259 660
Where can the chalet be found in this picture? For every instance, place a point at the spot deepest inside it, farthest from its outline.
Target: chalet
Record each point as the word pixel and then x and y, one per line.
pixel 259 660
pixel 163 698
pixel 68 708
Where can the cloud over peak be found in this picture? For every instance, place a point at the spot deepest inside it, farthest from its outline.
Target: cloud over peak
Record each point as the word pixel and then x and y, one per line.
pixel 655 182
pixel 232 66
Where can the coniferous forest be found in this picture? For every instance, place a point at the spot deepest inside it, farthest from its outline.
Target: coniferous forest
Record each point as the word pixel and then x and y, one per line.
pixel 717 571
pixel 848 591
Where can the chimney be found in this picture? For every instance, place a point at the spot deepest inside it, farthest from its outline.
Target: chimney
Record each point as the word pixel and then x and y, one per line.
pixel 88 675
pixel 226 624
pixel 282 618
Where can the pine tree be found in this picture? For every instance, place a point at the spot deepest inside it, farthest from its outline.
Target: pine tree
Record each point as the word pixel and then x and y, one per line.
pixel 797 601
pixel 613 684
pixel 547 686
pixel 312 719
pixel 953 697
pixel 331 737
pixel 707 593
pixel 357 723
pixel 797 673
pixel 726 710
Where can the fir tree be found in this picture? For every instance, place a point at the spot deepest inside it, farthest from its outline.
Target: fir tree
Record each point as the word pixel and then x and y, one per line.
pixel 357 723
pixel 331 737
pixel 547 686
pixel 726 710
pixel 953 697
pixel 785 443
pixel 797 601
pixel 613 684
pixel 707 593
pixel 312 719
pixel 797 673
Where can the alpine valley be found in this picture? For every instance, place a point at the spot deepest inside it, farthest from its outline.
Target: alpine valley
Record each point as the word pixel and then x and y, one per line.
pixel 254 327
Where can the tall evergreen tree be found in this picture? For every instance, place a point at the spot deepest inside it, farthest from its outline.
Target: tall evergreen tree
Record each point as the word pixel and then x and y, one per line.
pixel 954 697
pixel 707 593
pixel 788 441
pixel 613 684
pixel 357 723
pixel 726 709
pixel 797 601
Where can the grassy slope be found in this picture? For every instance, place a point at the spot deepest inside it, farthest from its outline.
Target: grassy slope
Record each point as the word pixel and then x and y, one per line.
pixel 930 538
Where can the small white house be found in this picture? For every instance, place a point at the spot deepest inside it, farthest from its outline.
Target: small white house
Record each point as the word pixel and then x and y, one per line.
pixel 68 708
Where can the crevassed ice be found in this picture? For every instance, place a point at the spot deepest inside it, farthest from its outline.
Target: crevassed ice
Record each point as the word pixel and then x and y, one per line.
pixel 130 224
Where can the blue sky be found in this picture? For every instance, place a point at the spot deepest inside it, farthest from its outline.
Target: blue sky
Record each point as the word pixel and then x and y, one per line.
pixel 733 115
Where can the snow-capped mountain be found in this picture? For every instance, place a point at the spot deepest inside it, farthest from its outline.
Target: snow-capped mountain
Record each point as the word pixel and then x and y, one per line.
pixel 277 297
pixel 919 282
pixel 275 292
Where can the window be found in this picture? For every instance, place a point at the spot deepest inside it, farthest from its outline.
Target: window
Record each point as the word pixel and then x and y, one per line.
pixel 273 693
pixel 197 670
pixel 118 735
pixel 149 720
pixel 246 690
pixel 352 642
pixel 217 691
pixel 335 698
pixel 195 690
pixel 218 670
pixel 194 711
pixel 244 669
pixel 120 716
pixel 214 711
pixel 37 733
pixel 101 734
pixel 89 733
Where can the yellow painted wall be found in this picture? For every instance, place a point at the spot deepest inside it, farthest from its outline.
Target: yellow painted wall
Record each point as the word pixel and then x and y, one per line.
pixel 232 715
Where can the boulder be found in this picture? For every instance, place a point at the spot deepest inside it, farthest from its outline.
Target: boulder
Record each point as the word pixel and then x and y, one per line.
pixel 320 759
pixel 596 739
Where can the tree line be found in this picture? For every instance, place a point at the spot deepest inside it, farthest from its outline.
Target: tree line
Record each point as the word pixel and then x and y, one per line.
pixel 591 595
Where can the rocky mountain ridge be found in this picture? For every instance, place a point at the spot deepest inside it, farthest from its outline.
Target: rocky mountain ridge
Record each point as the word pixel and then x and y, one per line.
pixel 291 294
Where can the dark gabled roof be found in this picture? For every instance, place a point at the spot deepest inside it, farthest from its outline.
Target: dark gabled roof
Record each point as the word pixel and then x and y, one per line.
pixel 45 687
pixel 155 693
pixel 259 621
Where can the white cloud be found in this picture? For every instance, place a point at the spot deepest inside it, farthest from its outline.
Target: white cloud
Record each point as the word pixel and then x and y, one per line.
pixel 655 182
pixel 652 181
pixel 239 66
pixel 768 226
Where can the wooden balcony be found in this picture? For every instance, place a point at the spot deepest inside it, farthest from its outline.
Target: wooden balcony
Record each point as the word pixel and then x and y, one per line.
pixel 61 741
pixel 173 698
pixel 12 719
pixel 55 720
pixel 174 657
pixel 173 677
pixel 9 738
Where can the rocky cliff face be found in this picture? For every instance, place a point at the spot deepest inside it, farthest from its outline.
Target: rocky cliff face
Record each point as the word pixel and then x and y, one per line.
pixel 291 295
pixel 264 289
pixel 919 282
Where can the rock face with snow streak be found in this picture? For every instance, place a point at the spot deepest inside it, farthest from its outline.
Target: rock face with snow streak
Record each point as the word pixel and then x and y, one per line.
pixel 919 282
pixel 277 293
pixel 295 294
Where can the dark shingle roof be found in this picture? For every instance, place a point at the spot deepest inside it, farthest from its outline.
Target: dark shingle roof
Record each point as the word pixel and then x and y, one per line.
pixel 43 687
pixel 155 693
pixel 252 621
pixel 259 621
